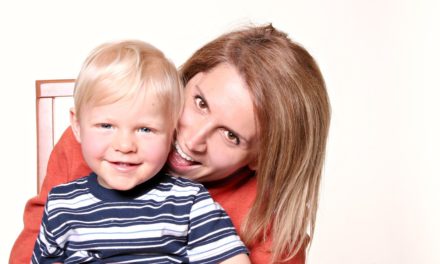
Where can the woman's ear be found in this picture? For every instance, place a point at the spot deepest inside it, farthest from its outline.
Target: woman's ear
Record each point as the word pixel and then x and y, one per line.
pixel 74 123
pixel 253 165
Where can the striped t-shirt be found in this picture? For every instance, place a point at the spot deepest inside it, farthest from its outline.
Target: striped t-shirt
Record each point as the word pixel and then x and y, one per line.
pixel 164 220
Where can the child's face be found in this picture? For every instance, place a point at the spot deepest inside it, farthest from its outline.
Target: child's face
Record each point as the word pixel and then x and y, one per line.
pixel 125 143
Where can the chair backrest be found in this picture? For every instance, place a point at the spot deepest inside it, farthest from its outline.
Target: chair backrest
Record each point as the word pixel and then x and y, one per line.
pixel 54 99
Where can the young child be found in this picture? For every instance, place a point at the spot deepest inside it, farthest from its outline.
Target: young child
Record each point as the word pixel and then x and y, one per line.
pixel 128 98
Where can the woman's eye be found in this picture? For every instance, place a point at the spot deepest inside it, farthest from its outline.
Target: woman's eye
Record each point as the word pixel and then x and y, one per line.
pixel 230 136
pixel 200 103
pixel 145 130
pixel 105 125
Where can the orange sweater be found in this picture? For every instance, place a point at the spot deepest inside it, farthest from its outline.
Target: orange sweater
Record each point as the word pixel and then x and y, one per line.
pixel 66 163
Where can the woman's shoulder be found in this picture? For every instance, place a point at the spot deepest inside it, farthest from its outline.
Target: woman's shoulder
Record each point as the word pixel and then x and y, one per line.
pixel 236 195
pixel 241 184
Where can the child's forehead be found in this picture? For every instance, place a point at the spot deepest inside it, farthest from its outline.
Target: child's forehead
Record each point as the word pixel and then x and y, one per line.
pixel 141 109
pixel 137 99
pixel 132 113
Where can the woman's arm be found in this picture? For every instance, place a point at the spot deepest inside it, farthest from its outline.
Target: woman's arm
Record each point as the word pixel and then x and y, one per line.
pixel 65 164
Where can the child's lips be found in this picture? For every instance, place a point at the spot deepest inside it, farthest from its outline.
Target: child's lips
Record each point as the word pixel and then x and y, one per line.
pixel 125 163
pixel 124 166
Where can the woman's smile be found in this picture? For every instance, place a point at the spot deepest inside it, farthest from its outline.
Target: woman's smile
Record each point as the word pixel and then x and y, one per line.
pixel 180 161
pixel 181 153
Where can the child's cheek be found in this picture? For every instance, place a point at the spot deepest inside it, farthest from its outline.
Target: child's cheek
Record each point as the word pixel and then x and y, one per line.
pixel 94 145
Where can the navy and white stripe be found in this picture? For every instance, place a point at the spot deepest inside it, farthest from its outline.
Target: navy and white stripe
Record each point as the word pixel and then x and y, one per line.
pixel 164 220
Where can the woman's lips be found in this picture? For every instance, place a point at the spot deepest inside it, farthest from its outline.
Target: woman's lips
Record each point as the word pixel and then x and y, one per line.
pixel 179 159
pixel 182 154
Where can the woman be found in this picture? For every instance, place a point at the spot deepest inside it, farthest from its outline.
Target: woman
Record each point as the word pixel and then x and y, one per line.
pixel 253 130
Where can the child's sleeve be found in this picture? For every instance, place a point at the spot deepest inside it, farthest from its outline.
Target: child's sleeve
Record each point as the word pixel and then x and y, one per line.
pixel 212 237
pixel 46 249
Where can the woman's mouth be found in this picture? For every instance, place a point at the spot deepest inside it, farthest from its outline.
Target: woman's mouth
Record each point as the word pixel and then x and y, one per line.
pixel 179 159
pixel 181 153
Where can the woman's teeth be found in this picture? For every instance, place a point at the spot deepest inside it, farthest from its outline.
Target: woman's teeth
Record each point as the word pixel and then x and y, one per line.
pixel 181 153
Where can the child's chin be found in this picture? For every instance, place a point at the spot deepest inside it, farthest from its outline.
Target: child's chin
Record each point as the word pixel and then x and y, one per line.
pixel 123 188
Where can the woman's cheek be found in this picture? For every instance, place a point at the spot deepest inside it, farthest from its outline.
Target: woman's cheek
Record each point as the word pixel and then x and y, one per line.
pixel 222 158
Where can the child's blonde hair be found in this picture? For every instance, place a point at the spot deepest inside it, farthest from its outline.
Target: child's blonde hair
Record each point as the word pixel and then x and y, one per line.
pixel 128 69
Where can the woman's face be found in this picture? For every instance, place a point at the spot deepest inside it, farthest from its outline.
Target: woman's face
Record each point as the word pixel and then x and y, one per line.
pixel 217 132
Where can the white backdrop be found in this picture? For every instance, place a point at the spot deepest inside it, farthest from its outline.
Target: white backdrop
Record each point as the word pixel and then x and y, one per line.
pixel 380 194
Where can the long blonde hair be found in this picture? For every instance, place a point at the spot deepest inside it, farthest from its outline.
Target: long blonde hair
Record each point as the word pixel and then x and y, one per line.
pixel 293 112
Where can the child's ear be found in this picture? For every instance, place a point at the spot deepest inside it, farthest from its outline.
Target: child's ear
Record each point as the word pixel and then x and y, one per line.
pixel 74 123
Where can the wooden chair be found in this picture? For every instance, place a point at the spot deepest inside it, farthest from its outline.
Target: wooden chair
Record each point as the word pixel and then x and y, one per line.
pixel 54 99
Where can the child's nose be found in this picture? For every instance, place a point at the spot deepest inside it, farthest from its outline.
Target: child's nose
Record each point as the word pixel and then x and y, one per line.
pixel 124 142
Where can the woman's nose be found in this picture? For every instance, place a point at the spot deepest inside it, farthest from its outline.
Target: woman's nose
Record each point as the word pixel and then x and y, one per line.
pixel 124 142
pixel 197 139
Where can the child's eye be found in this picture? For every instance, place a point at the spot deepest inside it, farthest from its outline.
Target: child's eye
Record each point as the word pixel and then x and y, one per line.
pixel 105 125
pixel 230 136
pixel 200 102
pixel 145 130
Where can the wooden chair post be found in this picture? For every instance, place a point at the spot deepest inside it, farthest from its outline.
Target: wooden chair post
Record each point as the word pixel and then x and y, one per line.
pixel 48 96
